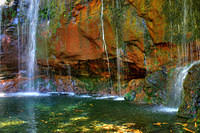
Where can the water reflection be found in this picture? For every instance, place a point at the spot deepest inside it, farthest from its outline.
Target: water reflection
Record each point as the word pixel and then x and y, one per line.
pixel 31 116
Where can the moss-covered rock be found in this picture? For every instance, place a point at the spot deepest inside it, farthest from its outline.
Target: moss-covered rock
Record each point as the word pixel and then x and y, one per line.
pixel 191 102
pixel 156 86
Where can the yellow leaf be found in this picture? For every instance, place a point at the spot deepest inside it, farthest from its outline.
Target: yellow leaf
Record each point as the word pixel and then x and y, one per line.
pixel 157 124
pixel 91 105
pixel 188 130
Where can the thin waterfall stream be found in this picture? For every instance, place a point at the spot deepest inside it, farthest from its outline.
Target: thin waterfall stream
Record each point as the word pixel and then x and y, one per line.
pixel 185 30
pixel 2 4
pixel 118 52
pixel 104 41
pixel 119 70
pixel 1 9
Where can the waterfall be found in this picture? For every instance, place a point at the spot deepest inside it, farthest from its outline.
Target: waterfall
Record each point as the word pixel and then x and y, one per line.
pixel 177 86
pixel 31 52
pixel 2 4
pixel 103 38
pixel 185 56
pixel 185 29
pixel 118 52
pixel 181 72
pixel 22 31
pixel 118 70
pixel 1 9
pixel 47 59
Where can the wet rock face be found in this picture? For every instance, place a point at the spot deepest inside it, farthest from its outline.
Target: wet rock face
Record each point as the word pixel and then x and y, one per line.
pixel 76 48
pixel 156 86
pixel 151 11
pixel 79 38
pixel 8 38
pixel 191 102
pixel 79 42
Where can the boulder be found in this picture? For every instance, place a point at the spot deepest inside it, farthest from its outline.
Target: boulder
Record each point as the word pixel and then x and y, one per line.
pixel 190 103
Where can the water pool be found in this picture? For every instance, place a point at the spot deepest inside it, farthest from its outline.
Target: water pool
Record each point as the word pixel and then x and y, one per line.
pixel 64 114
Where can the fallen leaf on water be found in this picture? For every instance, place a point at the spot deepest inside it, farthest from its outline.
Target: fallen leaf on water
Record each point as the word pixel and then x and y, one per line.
pixel 78 118
pixel 195 124
pixel 11 123
pixel 78 110
pixel 159 123
pixel 182 124
pixel 60 113
pixel 129 124
pixel 91 105
pixel 188 130
pixel 135 131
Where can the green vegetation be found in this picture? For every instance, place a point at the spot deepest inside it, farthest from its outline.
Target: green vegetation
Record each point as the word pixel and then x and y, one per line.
pixel 177 29
pixel 117 10
pixel 93 85
pixel 130 96
pixel 52 10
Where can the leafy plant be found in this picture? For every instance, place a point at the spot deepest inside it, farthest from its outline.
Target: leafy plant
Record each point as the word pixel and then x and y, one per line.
pixel 130 96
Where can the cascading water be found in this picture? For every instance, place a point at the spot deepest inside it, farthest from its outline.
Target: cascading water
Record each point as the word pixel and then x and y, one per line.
pixel 31 53
pixel 184 52
pixel 118 70
pixel 1 8
pixel 22 30
pixel 177 87
pixel 2 3
pixel 103 38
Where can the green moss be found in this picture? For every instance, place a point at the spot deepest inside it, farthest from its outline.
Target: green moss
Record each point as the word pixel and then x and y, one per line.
pixel 117 11
pixel 130 96
pixel 93 84
pixel 176 30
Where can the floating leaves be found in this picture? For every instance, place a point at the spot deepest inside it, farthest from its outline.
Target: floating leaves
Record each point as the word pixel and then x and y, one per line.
pixel 11 123
pixel 188 130
pixel 117 128
pixel 184 126
pixel 78 118
pixel 159 124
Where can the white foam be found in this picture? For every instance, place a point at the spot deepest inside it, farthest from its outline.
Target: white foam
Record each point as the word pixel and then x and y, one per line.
pixel 105 97
pixel 85 96
pixel 26 94
pixel 2 94
pixel 2 2
pixel 62 93
pixel 119 99
pixel 165 109
pixel 38 94
pixel 70 93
